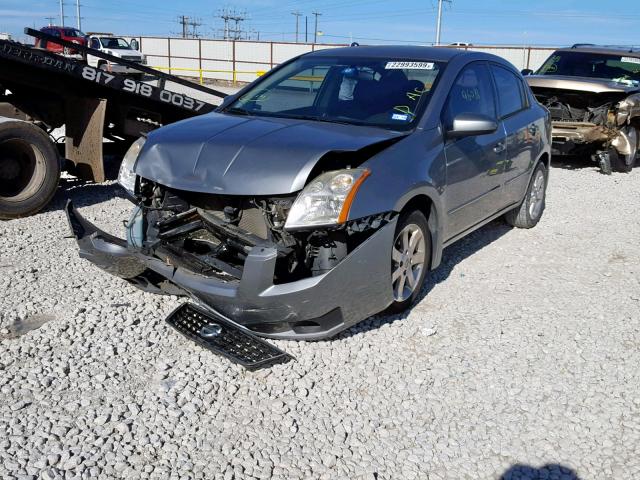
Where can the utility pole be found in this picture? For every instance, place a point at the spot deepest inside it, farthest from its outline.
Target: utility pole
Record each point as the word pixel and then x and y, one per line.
pixel 79 21
pixel 51 19
pixel 297 15
pixel 315 30
pixel 439 22
pixel 236 32
pixel 62 13
pixel 306 29
pixel 194 27
pixel 184 21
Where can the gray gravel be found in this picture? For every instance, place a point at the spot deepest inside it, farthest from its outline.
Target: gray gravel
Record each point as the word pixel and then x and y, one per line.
pixel 521 361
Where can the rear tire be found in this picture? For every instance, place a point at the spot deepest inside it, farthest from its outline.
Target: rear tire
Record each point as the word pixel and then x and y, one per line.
pixel 622 163
pixel 410 259
pixel 29 169
pixel 529 212
pixel 625 163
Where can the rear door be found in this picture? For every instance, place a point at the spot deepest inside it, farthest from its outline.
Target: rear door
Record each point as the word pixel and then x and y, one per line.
pixel 473 163
pixel 523 133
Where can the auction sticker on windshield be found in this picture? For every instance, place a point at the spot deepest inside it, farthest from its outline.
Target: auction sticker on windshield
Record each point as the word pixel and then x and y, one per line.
pixel 409 66
pixel 630 60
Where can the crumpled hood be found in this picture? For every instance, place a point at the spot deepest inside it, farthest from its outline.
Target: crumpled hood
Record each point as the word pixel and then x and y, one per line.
pixel 584 84
pixel 238 155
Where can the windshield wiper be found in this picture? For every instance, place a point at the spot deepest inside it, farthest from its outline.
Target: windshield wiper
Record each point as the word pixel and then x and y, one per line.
pixel 238 110
pixel 313 118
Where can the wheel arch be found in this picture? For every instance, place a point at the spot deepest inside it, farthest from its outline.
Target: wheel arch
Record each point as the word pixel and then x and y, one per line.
pixel 546 159
pixel 425 203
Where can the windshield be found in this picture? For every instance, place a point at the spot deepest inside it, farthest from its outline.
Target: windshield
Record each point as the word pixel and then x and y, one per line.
pixel 70 32
pixel 616 67
pixel 389 93
pixel 108 42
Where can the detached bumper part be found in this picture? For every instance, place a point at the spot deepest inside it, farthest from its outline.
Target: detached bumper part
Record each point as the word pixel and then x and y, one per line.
pixel 308 309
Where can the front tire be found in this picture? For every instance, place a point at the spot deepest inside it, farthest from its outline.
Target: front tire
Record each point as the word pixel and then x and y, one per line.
pixel 410 259
pixel 528 214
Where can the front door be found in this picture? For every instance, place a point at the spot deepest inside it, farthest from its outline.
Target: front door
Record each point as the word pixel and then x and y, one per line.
pixel 474 163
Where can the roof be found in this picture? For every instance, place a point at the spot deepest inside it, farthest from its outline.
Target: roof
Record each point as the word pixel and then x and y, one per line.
pixel 436 54
pixel 602 49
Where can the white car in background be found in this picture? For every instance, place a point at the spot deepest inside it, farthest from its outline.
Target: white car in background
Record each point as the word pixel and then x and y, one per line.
pixel 118 47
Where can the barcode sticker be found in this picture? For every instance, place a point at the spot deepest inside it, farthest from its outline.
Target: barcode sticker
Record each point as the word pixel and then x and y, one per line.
pixel 409 66
pixel 630 60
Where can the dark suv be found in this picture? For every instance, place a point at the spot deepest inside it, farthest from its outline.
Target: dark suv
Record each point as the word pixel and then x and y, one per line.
pixel 65 33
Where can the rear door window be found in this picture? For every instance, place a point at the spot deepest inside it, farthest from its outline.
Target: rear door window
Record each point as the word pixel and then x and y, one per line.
pixel 472 92
pixel 511 98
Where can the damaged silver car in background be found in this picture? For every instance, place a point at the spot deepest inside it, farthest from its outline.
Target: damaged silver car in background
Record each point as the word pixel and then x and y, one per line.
pixel 593 94
pixel 322 193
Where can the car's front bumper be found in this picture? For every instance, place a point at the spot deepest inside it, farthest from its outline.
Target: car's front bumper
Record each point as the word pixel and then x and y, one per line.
pixel 308 309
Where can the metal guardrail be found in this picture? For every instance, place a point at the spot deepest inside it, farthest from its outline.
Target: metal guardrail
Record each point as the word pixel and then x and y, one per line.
pixel 202 71
pixel 257 73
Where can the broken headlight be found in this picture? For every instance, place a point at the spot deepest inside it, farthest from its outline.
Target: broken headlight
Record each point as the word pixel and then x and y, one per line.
pixel 126 176
pixel 326 200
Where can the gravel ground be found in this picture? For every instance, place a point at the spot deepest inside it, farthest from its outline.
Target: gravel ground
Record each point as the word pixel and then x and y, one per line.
pixel 520 361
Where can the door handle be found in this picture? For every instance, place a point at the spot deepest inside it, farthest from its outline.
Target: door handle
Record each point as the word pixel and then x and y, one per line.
pixel 499 147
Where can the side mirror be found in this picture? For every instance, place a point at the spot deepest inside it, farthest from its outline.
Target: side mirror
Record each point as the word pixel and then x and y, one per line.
pixel 469 124
pixel 526 71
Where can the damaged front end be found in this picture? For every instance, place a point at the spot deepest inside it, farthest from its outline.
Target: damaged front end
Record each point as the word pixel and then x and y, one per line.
pixel 234 255
pixel 603 123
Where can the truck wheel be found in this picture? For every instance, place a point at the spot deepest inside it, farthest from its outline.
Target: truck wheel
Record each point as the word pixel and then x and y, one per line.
pixel 620 163
pixel 29 169
pixel 528 214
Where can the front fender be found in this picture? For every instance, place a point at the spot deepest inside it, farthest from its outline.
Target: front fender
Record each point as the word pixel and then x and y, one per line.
pixel 412 168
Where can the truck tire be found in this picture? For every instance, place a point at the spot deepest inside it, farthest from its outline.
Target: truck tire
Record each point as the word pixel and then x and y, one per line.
pixel 622 163
pixel 29 169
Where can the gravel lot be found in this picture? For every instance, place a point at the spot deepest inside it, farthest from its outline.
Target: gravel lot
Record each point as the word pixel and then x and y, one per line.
pixel 520 361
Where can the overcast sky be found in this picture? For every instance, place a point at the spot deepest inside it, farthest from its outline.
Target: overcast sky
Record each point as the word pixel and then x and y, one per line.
pixel 544 22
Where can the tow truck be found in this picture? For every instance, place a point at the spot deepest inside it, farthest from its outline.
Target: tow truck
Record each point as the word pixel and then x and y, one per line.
pixel 41 91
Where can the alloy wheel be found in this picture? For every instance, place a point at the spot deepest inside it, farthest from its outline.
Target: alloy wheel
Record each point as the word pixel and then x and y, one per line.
pixel 408 257
pixel 536 196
